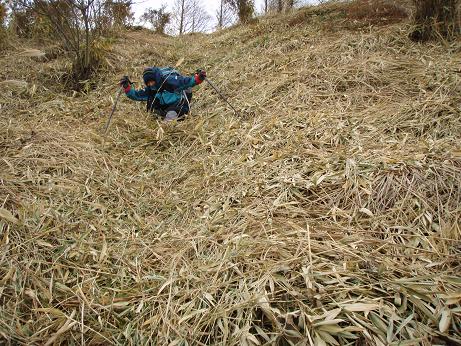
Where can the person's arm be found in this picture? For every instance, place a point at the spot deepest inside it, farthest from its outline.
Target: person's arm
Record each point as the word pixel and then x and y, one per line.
pixel 132 93
pixel 180 83
pixel 136 95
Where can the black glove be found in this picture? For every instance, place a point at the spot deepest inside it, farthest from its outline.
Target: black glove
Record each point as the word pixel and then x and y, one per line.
pixel 125 82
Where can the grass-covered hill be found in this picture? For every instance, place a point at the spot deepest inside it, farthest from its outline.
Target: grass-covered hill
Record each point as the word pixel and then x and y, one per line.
pixel 326 213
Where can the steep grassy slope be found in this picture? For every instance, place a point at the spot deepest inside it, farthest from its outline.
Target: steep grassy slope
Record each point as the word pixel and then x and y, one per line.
pixel 327 212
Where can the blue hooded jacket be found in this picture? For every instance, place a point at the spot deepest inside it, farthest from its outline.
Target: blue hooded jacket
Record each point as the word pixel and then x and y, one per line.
pixel 168 88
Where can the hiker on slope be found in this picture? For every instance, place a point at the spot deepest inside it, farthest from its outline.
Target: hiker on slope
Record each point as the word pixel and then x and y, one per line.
pixel 167 92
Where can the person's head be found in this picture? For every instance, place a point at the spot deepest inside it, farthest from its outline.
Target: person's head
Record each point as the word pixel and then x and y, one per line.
pixel 149 77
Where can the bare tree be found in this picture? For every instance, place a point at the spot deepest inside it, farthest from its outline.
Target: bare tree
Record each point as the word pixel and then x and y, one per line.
pixel 199 19
pixel 157 18
pixel 224 15
pixel 180 9
pixel 243 8
pixel 436 18
pixel 189 16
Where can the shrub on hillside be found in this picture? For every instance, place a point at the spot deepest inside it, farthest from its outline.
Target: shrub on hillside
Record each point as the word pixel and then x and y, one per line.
pixel 114 15
pixel 157 18
pixel 243 8
pixel 22 21
pixel 435 19
pixel 77 23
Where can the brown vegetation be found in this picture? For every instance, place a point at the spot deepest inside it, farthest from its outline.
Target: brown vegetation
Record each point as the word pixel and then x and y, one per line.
pixel 79 26
pixel 336 16
pixel 376 11
pixel 3 37
pixel 436 19
pixel 327 214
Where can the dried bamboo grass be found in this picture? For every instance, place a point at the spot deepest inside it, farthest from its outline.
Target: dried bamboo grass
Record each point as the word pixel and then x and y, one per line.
pixel 33 53
pixel 14 84
pixel 330 215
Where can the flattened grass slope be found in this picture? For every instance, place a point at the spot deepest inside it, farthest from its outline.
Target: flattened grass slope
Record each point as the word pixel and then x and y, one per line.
pixel 328 214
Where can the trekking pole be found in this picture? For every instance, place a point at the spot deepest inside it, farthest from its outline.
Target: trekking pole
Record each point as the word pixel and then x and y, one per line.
pixel 113 110
pixel 222 96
